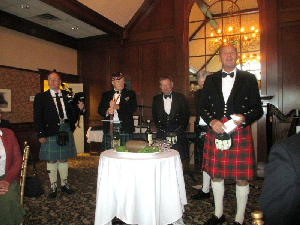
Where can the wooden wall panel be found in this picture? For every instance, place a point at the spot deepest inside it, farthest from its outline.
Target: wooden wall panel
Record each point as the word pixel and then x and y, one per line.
pixel 157 60
pixel 290 68
pixel 158 17
pixel 280 28
pixel 287 4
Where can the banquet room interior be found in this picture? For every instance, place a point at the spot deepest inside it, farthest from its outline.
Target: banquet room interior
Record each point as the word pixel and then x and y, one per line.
pixel 88 40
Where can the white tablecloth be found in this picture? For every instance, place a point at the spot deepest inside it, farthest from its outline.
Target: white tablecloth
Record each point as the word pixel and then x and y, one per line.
pixel 144 191
pixel 94 135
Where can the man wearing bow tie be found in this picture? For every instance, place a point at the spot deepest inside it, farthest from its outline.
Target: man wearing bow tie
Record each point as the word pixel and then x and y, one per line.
pixel 121 103
pixel 170 112
pixel 225 93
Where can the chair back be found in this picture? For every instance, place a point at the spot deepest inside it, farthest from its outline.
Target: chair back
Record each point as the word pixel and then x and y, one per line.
pixel 24 170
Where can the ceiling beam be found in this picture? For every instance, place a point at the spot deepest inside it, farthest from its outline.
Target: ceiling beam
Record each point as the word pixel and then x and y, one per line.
pixel 207 62
pixel 198 29
pixel 145 8
pixel 87 15
pixel 242 12
pixel 27 27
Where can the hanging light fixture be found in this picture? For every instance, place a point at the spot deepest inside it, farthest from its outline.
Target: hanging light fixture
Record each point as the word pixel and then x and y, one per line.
pixel 229 29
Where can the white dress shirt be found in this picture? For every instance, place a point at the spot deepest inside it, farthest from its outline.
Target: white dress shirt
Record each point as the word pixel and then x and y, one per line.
pixel 227 84
pixel 2 158
pixel 116 115
pixel 61 100
pixel 167 104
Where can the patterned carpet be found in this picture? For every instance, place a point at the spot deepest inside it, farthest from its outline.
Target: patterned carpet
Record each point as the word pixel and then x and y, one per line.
pixel 79 208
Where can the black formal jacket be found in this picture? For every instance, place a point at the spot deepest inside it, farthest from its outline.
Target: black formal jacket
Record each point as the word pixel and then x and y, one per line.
pixel 197 100
pixel 280 198
pixel 179 114
pixel 45 115
pixel 244 98
pixel 127 106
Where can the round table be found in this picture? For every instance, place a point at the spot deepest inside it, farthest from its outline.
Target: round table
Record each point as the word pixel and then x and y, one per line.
pixel 140 188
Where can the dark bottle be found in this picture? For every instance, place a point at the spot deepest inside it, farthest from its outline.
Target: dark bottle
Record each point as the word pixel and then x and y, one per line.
pixel 116 137
pixel 148 132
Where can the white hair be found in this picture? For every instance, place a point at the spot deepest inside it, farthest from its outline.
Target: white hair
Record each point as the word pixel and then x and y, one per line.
pixel 202 73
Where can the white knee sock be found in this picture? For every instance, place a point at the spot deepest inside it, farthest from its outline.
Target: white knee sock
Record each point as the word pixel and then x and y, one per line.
pixel 242 193
pixel 52 172
pixel 63 172
pixel 206 182
pixel 218 190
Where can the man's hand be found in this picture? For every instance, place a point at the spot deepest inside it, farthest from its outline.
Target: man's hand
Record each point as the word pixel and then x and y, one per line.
pixel 4 185
pixel 110 111
pixel 80 105
pixel 240 120
pixel 42 140
pixel 113 105
pixel 217 126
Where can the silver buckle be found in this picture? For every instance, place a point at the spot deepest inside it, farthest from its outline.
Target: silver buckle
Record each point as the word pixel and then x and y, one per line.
pixel 61 121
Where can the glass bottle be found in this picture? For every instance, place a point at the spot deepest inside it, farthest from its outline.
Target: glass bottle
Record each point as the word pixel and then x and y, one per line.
pixel 116 137
pixel 149 136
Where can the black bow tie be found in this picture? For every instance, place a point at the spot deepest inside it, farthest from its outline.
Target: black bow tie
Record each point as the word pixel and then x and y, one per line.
pixel 167 96
pixel 224 74
pixel 117 92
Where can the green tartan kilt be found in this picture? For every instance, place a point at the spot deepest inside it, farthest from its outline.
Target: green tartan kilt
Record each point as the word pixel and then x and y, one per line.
pixel 11 212
pixel 51 151
pixel 124 137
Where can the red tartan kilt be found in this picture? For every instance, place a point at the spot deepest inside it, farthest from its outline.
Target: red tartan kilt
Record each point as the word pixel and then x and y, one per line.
pixel 237 163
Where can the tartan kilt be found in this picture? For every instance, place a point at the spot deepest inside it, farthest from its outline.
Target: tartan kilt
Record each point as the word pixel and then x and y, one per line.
pixel 237 163
pixel 106 143
pixel 51 151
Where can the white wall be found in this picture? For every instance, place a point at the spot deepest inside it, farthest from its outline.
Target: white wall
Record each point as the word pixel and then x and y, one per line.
pixel 27 52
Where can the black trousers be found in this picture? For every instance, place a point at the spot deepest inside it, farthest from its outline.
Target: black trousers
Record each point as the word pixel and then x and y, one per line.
pixel 199 144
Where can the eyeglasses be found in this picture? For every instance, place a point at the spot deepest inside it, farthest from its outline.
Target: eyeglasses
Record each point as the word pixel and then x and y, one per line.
pixel 54 79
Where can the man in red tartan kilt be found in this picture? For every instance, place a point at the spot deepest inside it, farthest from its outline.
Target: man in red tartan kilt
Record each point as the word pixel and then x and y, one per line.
pixel 225 93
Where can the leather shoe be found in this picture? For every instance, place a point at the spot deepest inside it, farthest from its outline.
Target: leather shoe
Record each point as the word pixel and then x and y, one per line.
pixel 201 195
pixel 67 189
pixel 214 220
pixel 237 223
pixel 53 192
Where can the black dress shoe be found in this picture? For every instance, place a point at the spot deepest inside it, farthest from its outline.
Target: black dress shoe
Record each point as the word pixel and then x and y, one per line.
pixel 237 223
pixel 201 195
pixel 53 192
pixel 67 189
pixel 214 220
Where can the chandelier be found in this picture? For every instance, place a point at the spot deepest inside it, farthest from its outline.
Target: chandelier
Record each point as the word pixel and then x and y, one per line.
pixel 249 57
pixel 229 30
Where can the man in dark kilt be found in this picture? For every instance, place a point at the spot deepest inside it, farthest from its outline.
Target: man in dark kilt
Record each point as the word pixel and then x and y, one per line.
pixel 54 113
pixel 121 103
pixel 226 93
pixel 170 112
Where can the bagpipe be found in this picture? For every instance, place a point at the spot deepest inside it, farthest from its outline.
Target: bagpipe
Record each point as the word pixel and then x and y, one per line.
pixel 73 99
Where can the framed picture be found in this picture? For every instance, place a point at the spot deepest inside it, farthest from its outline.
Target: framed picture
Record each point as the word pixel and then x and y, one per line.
pixel 5 100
